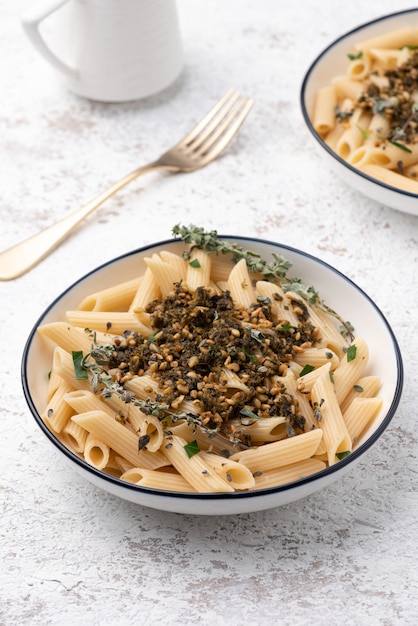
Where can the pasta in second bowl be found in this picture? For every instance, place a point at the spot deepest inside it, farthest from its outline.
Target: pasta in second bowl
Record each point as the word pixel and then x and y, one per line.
pixel 359 99
pixel 269 405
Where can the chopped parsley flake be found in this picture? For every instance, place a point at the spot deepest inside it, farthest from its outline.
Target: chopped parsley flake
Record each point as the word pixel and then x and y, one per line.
pixel 192 448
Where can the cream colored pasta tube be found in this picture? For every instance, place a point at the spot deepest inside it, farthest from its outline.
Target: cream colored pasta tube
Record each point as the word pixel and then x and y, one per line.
pixel 165 274
pixel 120 463
pixel 360 414
pixel 114 322
pixel 177 261
pixel 157 480
pixel 193 469
pixel 265 429
pixel 336 435
pixel 345 87
pixel 141 424
pixel 378 128
pixel 239 284
pixel 359 68
pixel 66 336
pixel 305 409
pixel 74 437
pixel 354 135
pixel 365 387
pixel 206 441
pixel 198 269
pixel 143 386
pixel 388 177
pixel 151 429
pixel 307 381
pixel 221 268
pixel 350 368
pixel 386 156
pixel 329 332
pixel 96 453
pixel 63 365
pixel 281 305
pixel 119 438
pixel 386 58
pixel 57 412
pixel 280 453
pixel 333 136
pixel 116 298
pixel 396 39
pixel 234 474
pixel 412 172
pixel 288 474
pixel 82 400
pixel 148 290
pixel 324 111
pixel 54 381
pixel 317 357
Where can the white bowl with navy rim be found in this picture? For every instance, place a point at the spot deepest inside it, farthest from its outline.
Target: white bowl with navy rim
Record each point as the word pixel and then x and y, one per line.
pixel 333 62
pixel 335 289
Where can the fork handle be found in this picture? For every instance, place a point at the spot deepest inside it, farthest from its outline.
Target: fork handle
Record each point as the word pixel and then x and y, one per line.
pixel 25 255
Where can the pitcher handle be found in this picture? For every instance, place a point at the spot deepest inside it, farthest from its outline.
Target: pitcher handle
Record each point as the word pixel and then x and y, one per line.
pixel 31 22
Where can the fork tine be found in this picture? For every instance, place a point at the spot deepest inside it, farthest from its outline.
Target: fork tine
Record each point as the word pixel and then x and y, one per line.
pixel 213 123
pixel 225 132
pixel 208 117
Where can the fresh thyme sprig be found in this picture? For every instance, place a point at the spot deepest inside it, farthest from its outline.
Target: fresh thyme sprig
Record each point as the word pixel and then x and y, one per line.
pixel 209 241
pixel 275 271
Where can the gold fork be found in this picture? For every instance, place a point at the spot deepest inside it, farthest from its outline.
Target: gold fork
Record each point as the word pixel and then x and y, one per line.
pixel 198 148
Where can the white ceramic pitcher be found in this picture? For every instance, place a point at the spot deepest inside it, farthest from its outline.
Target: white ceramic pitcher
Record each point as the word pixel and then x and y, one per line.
pixel 109 50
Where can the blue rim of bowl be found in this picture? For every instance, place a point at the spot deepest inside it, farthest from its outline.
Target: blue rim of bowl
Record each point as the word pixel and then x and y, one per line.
pixel 308 119
pixel 216 496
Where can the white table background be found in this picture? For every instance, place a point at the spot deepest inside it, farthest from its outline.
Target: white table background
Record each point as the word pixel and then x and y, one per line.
pixel 71 553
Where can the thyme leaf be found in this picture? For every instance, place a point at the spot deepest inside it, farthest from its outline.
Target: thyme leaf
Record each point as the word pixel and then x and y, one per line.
pixel 351 353
pixel 400 146
pixel 249 413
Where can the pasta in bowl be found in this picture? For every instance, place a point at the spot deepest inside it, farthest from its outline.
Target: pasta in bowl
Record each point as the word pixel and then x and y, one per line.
pixel 195 376
pixel 359 99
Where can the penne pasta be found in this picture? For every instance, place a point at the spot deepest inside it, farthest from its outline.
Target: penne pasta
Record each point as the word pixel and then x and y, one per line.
pixel 157 480
pixel 116 322
pixel 239 285
pixel 317 357
pixel 366 387
pixel 119 438
pixel 96 453
pixel 359 415
pixel 115 298
pixel 205 389
pixel 57 413
pixel 324 114
pixel 350 368
pixel 280 453
pixel 198 270
pixel 234 474
pixel 372 125
pixel 288 474
pixel 330 419
pixel 195 469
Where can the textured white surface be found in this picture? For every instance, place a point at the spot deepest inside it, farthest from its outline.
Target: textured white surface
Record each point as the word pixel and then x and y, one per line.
pixel 71 553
